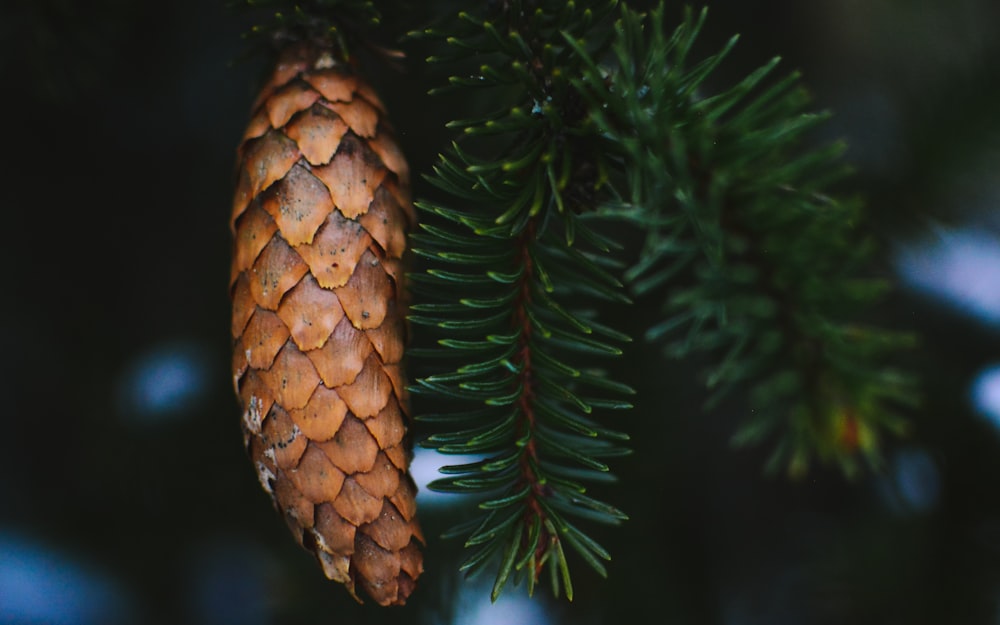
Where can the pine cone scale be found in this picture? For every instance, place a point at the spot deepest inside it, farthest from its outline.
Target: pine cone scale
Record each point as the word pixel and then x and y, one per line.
pixel 321 418
pixel 343 356
pixel 318 133
pixel 288 101
pixel 311 314
pixel 299 205
pixel 263 338
pixel 255 232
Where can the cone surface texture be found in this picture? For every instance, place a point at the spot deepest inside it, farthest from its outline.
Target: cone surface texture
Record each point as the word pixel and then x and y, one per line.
pixel 320 217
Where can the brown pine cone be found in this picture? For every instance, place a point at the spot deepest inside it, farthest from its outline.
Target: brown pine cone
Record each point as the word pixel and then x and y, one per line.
pixel 320 217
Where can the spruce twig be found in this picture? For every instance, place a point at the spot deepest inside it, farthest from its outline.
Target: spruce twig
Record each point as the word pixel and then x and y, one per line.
pixel 728 192
pixel 508 257
pixel 755 262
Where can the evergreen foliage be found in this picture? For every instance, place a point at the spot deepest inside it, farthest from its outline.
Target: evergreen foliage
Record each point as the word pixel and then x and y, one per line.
pixel 337 23
pixel 774 288
pixel 600 128
pixel 520 244
pixel 755 263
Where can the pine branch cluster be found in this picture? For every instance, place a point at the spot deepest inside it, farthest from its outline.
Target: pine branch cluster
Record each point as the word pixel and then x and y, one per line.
pixel 728 191
pixel 599 130
pixel 752 260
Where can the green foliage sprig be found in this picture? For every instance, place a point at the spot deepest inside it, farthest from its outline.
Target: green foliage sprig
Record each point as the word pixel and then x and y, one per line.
pixel 334 23
pixel 511 252
pixel 599 115
pixel 726 191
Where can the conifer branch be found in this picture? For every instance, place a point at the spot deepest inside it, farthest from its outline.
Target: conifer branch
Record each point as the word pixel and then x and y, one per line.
pixel 597 117
pixel 773 263
pixel 516 251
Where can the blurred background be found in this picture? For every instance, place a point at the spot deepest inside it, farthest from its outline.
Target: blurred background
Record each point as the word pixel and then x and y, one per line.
pixel 126 495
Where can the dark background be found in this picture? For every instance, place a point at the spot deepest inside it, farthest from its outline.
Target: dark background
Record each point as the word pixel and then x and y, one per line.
pixel 126 496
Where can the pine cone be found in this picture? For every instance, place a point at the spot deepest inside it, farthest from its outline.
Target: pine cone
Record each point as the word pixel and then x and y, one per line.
pixel 320 217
